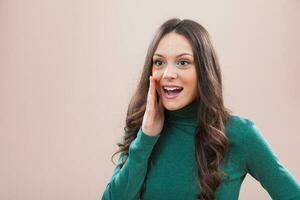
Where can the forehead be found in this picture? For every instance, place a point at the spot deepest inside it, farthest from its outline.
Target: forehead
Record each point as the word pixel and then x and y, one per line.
pixel 173 44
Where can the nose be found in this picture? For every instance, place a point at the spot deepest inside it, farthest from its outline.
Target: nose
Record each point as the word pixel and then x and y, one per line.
pixel 169 72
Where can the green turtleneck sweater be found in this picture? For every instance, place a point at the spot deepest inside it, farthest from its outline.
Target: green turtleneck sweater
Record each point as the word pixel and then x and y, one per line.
pixel 173 174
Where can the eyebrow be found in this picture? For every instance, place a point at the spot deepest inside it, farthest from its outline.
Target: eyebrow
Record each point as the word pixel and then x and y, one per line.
pixel 176 56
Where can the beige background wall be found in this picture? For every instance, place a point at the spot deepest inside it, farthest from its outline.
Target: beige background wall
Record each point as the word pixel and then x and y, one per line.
pixel 68 69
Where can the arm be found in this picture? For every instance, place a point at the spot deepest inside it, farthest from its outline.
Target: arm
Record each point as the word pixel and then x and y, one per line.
pixel 126 182
pixel 263 164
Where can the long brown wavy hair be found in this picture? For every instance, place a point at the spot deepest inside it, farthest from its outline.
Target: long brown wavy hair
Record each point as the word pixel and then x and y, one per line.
pixel 211 142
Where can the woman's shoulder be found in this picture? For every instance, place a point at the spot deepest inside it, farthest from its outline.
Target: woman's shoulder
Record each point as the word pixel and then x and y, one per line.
pixel 239 127
pixel 239 121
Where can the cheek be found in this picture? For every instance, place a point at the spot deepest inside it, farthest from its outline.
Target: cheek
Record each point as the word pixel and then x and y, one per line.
pixel 157 73
pixel 154 71
pixel 195 85
pixel 191 82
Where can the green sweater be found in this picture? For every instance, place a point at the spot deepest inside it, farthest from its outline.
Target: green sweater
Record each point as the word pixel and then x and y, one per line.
pixel 173 173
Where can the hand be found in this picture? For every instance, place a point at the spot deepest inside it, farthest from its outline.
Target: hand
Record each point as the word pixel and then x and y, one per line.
pixel 153 119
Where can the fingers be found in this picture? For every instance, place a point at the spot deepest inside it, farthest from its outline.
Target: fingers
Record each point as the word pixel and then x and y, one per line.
pixel 158 89
pixel 157 77
pixel 153 92
pixel 149 93
pixel 151 99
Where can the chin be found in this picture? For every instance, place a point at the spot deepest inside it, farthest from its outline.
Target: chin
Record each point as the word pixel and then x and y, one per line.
pixel 171 106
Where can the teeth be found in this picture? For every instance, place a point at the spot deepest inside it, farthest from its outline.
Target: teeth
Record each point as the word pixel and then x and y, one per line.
pixel 172 88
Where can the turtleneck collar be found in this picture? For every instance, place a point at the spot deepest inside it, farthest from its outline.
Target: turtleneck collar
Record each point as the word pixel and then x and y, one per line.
pixel 186 115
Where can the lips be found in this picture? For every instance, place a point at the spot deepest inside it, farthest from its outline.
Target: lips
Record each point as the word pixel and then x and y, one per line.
pixel 166 85
pixel 170 87
pixel 171 91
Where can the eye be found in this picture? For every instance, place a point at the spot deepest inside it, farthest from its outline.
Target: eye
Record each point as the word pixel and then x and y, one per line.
pixel 184 61
pixel 157 62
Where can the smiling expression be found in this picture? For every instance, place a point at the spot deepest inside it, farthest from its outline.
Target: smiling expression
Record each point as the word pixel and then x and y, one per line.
pixel 173 64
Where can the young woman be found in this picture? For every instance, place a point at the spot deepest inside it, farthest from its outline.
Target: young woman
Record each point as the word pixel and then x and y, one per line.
pixel 180 141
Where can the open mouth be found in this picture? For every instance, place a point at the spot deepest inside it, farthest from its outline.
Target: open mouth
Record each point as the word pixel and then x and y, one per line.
pixel 171 92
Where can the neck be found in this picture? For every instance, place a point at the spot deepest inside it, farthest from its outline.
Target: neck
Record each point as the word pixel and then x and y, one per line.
pixel 186 115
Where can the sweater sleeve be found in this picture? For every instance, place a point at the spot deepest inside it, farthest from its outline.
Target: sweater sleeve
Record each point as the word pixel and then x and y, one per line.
pixel 126 182
pixel 263 164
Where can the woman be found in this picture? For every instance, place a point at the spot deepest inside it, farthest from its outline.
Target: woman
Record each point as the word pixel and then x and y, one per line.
pixel 180 141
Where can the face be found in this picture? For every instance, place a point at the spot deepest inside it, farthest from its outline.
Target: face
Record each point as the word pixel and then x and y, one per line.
pixel 173 65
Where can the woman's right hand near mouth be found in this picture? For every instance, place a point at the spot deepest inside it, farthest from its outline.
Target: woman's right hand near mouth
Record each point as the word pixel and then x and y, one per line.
pixel 153 119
